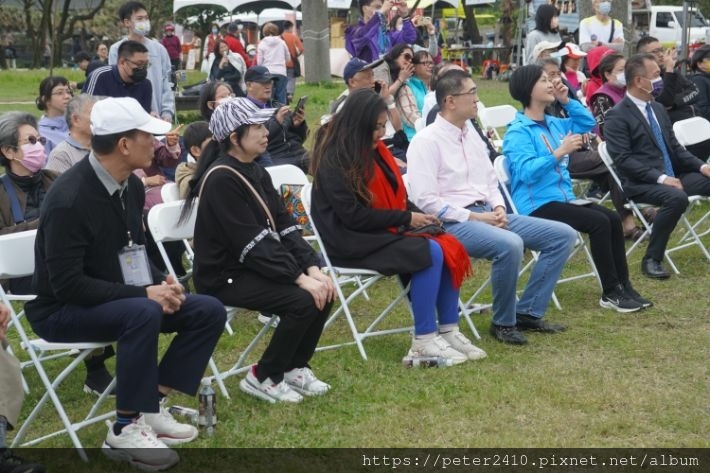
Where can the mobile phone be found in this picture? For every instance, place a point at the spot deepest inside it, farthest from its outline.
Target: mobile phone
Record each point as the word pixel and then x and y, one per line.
pixel 378 87
pixel 301 103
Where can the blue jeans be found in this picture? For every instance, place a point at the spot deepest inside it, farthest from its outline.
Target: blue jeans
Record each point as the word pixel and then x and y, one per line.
pixel 278 93
pixel 504 247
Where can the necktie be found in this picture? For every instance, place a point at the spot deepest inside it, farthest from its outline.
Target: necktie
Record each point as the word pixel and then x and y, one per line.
pixel 656 129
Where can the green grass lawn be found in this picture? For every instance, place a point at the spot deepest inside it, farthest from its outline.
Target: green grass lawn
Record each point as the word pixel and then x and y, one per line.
pixel 611 380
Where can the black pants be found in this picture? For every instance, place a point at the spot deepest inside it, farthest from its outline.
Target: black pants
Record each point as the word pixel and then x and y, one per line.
pixel 673 203
pixel 296 337
pixel 589 165
pixel 135 324
pixel 606 237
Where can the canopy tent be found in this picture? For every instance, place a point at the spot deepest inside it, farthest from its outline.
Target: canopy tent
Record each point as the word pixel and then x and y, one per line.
pixel 256 6
pixel 270 14
pixel 439 3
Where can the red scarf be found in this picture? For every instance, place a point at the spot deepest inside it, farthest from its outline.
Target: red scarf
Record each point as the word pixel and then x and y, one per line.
pixel 385 197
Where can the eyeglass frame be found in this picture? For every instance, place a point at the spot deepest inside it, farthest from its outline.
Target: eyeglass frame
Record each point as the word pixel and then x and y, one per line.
pixel 33 140
pixel 139 66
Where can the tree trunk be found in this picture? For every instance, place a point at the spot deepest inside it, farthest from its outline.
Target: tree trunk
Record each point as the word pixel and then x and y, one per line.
pixel 471 26
pixel 316 41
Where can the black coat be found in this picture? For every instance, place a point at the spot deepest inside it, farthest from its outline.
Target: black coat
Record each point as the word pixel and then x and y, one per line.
pixel 356 235
pixel 702 81
pixel 633 148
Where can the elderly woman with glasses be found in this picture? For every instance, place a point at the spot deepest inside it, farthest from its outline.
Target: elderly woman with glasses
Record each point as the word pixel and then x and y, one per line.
pixel 410 97
pixel 54 95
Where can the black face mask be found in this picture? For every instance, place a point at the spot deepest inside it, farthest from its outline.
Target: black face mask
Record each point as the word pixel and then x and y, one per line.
pixel 139 74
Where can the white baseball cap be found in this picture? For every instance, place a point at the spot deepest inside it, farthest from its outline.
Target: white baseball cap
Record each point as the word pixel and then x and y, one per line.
pixel 116 115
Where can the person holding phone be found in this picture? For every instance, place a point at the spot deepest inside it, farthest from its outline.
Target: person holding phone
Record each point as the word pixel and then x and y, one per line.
pixel 371 38
pixel 287 128
pixel 538 147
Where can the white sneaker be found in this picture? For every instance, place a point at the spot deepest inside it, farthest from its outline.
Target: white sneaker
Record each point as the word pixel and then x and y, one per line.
pixel 305 382
pixel 268 390
pixel 436 346
pixel 138 445
pixel 168 430
pixel 460 343
pixel 265 319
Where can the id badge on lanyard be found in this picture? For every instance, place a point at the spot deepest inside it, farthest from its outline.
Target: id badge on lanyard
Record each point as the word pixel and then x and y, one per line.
pixel 133 260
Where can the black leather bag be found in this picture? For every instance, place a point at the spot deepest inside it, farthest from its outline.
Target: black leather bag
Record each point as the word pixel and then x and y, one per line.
pixel 432 229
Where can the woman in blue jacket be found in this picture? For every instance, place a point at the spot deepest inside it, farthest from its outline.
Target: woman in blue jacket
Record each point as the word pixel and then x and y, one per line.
pixel 538 147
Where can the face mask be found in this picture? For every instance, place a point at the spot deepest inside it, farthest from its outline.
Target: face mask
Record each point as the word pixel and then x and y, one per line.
pixel 657 87
pixel 240 27
pixel 621 78
pixel 139 74
pixel 34 156
pixel 142 28
pixel 605 8
pixel 215 31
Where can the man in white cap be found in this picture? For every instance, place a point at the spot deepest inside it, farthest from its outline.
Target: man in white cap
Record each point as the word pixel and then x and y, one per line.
pixel 94 283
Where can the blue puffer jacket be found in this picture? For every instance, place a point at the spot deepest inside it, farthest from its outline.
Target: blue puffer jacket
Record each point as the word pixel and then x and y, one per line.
pixel 536 177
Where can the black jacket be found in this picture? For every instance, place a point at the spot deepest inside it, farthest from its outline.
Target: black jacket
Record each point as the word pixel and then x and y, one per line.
pixel 679 96
pixel 232 236
pixel 356 235
pixel 81 231
pixel 702 81
pixel 636 154
pixel 285 140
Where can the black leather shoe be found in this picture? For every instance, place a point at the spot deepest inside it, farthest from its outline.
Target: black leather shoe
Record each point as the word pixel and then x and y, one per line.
pixel 631 292
pixel 653 269
pixel 510 335
pixel 537 324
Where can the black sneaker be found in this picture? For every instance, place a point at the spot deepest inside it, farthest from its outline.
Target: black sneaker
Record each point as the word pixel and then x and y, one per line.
pixel 97 381
pixel 537 324
pixel 631 292
pixel 11 463
pixel 619 300
pixel 595 194
pixel 510 335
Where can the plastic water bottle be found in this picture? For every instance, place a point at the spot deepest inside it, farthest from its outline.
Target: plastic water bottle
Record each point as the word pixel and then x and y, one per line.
pixel 190 414
pixel 208 407
pixel 426 362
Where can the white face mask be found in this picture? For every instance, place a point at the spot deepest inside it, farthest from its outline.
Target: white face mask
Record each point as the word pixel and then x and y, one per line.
pixel 621 78
pixel 142 28
pixel 605 8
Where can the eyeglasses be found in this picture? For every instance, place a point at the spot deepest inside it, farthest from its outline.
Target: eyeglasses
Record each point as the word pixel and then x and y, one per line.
pixel 33 140
pixel 657 51
pixel 145 65
pixel 407 56
pixel 67 91
pixel 213 103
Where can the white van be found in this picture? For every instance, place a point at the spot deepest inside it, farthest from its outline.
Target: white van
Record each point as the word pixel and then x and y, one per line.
pixel 665 22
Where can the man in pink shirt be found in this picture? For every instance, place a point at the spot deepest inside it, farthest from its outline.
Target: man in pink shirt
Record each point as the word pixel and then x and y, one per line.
pixel 450 175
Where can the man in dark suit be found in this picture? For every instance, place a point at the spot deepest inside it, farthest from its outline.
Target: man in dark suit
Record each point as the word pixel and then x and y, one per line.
pixel 653 166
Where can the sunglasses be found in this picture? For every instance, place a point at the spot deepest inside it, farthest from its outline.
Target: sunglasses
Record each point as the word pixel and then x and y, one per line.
pixel 34 139
pixel 407 57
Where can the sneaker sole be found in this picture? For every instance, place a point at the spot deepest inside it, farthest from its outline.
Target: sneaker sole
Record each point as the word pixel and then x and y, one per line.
pixel 245 386
pixel 94 392
pixel 119 455
pixel 609 305
pixel 454 360
pixel 170 441
pixel 305 392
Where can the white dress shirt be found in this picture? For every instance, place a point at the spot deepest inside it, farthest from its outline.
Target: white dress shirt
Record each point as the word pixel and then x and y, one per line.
pixel 448 169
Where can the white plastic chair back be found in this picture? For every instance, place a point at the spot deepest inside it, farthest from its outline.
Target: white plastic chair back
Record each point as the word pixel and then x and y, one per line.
pixel 692 131
pixel 163 222
pixel 170 192
pixel 17 255
pixel 286 174
pixel 497 116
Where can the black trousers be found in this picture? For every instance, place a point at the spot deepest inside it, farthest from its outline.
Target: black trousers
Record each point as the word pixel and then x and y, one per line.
pixel 301 323
pixel 135 324
pixel 589 165
pixel 673 203
pixel 606 237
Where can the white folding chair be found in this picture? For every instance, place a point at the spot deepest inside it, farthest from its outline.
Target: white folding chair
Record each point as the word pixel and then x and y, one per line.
pixel 503 173
pixel 170 192
pixel 367 278
pixel 17 260
pixel 163 221
pixel 495 117
pixel 690 238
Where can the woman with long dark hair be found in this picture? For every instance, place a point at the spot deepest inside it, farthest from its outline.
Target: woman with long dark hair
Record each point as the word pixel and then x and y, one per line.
pixel 249 253
pixel 546 23
pixel 538 147
pixel 360 206
pixel 224 65
pixel 399 60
